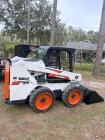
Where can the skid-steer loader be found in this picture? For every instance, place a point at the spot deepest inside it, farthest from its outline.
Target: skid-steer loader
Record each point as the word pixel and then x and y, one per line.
pixel 42 79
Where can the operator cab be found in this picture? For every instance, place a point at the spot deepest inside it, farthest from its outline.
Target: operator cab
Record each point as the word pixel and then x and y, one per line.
pixel 55 57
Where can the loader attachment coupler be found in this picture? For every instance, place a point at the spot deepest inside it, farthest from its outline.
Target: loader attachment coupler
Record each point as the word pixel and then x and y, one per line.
pixel 91 97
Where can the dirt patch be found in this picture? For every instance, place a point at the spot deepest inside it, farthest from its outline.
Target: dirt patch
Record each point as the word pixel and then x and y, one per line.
pixel 96 85
pixel 19 122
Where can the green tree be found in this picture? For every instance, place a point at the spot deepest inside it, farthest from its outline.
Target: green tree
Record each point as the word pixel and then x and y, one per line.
pixel 14 14
pixel 60 34
pixel 92 36
pixel 75 34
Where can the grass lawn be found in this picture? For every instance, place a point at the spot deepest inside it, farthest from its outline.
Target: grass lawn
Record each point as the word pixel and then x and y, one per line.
pixel 19 122
pixel 87 69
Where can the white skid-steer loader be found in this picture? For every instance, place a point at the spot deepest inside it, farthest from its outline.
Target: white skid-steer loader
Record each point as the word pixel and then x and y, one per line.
pixel 43 79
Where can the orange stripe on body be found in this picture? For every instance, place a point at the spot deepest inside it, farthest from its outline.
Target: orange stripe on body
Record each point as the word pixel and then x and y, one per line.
pixel 56 70
pixel 6 84
pixel 52 75
pixel 57 76
pixel 15 83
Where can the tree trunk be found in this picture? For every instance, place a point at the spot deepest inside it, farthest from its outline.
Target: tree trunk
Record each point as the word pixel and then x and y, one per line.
pixel 53 23
pixel 97 65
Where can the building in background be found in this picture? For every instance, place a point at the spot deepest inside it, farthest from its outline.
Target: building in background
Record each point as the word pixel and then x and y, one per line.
pixel 85 51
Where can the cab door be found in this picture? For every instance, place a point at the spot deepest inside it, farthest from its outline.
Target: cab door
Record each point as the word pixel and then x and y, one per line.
pixel 60 58
pixel 64 60
pixel 53 60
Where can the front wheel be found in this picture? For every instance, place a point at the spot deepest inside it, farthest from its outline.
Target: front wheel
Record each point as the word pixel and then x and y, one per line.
pixel 72 96
pixel 41 100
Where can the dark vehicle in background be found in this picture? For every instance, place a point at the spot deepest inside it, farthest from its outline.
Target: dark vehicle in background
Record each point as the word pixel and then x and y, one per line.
pixel 2 64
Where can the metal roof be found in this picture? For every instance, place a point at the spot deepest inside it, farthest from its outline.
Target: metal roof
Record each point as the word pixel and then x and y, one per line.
pixel 85 45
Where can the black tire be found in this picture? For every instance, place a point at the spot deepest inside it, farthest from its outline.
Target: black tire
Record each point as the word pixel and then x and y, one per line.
pixel 37 93
pixel 66 94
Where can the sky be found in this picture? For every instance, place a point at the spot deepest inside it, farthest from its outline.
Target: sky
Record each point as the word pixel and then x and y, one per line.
pixel 85 14
pixel 81 13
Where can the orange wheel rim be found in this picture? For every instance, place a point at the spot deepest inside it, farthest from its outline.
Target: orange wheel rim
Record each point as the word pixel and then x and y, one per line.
pixel 43 101
pixel 74 97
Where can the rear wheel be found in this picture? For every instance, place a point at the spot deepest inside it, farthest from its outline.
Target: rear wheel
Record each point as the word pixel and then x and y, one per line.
pixel 41 100
pixel 72 96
